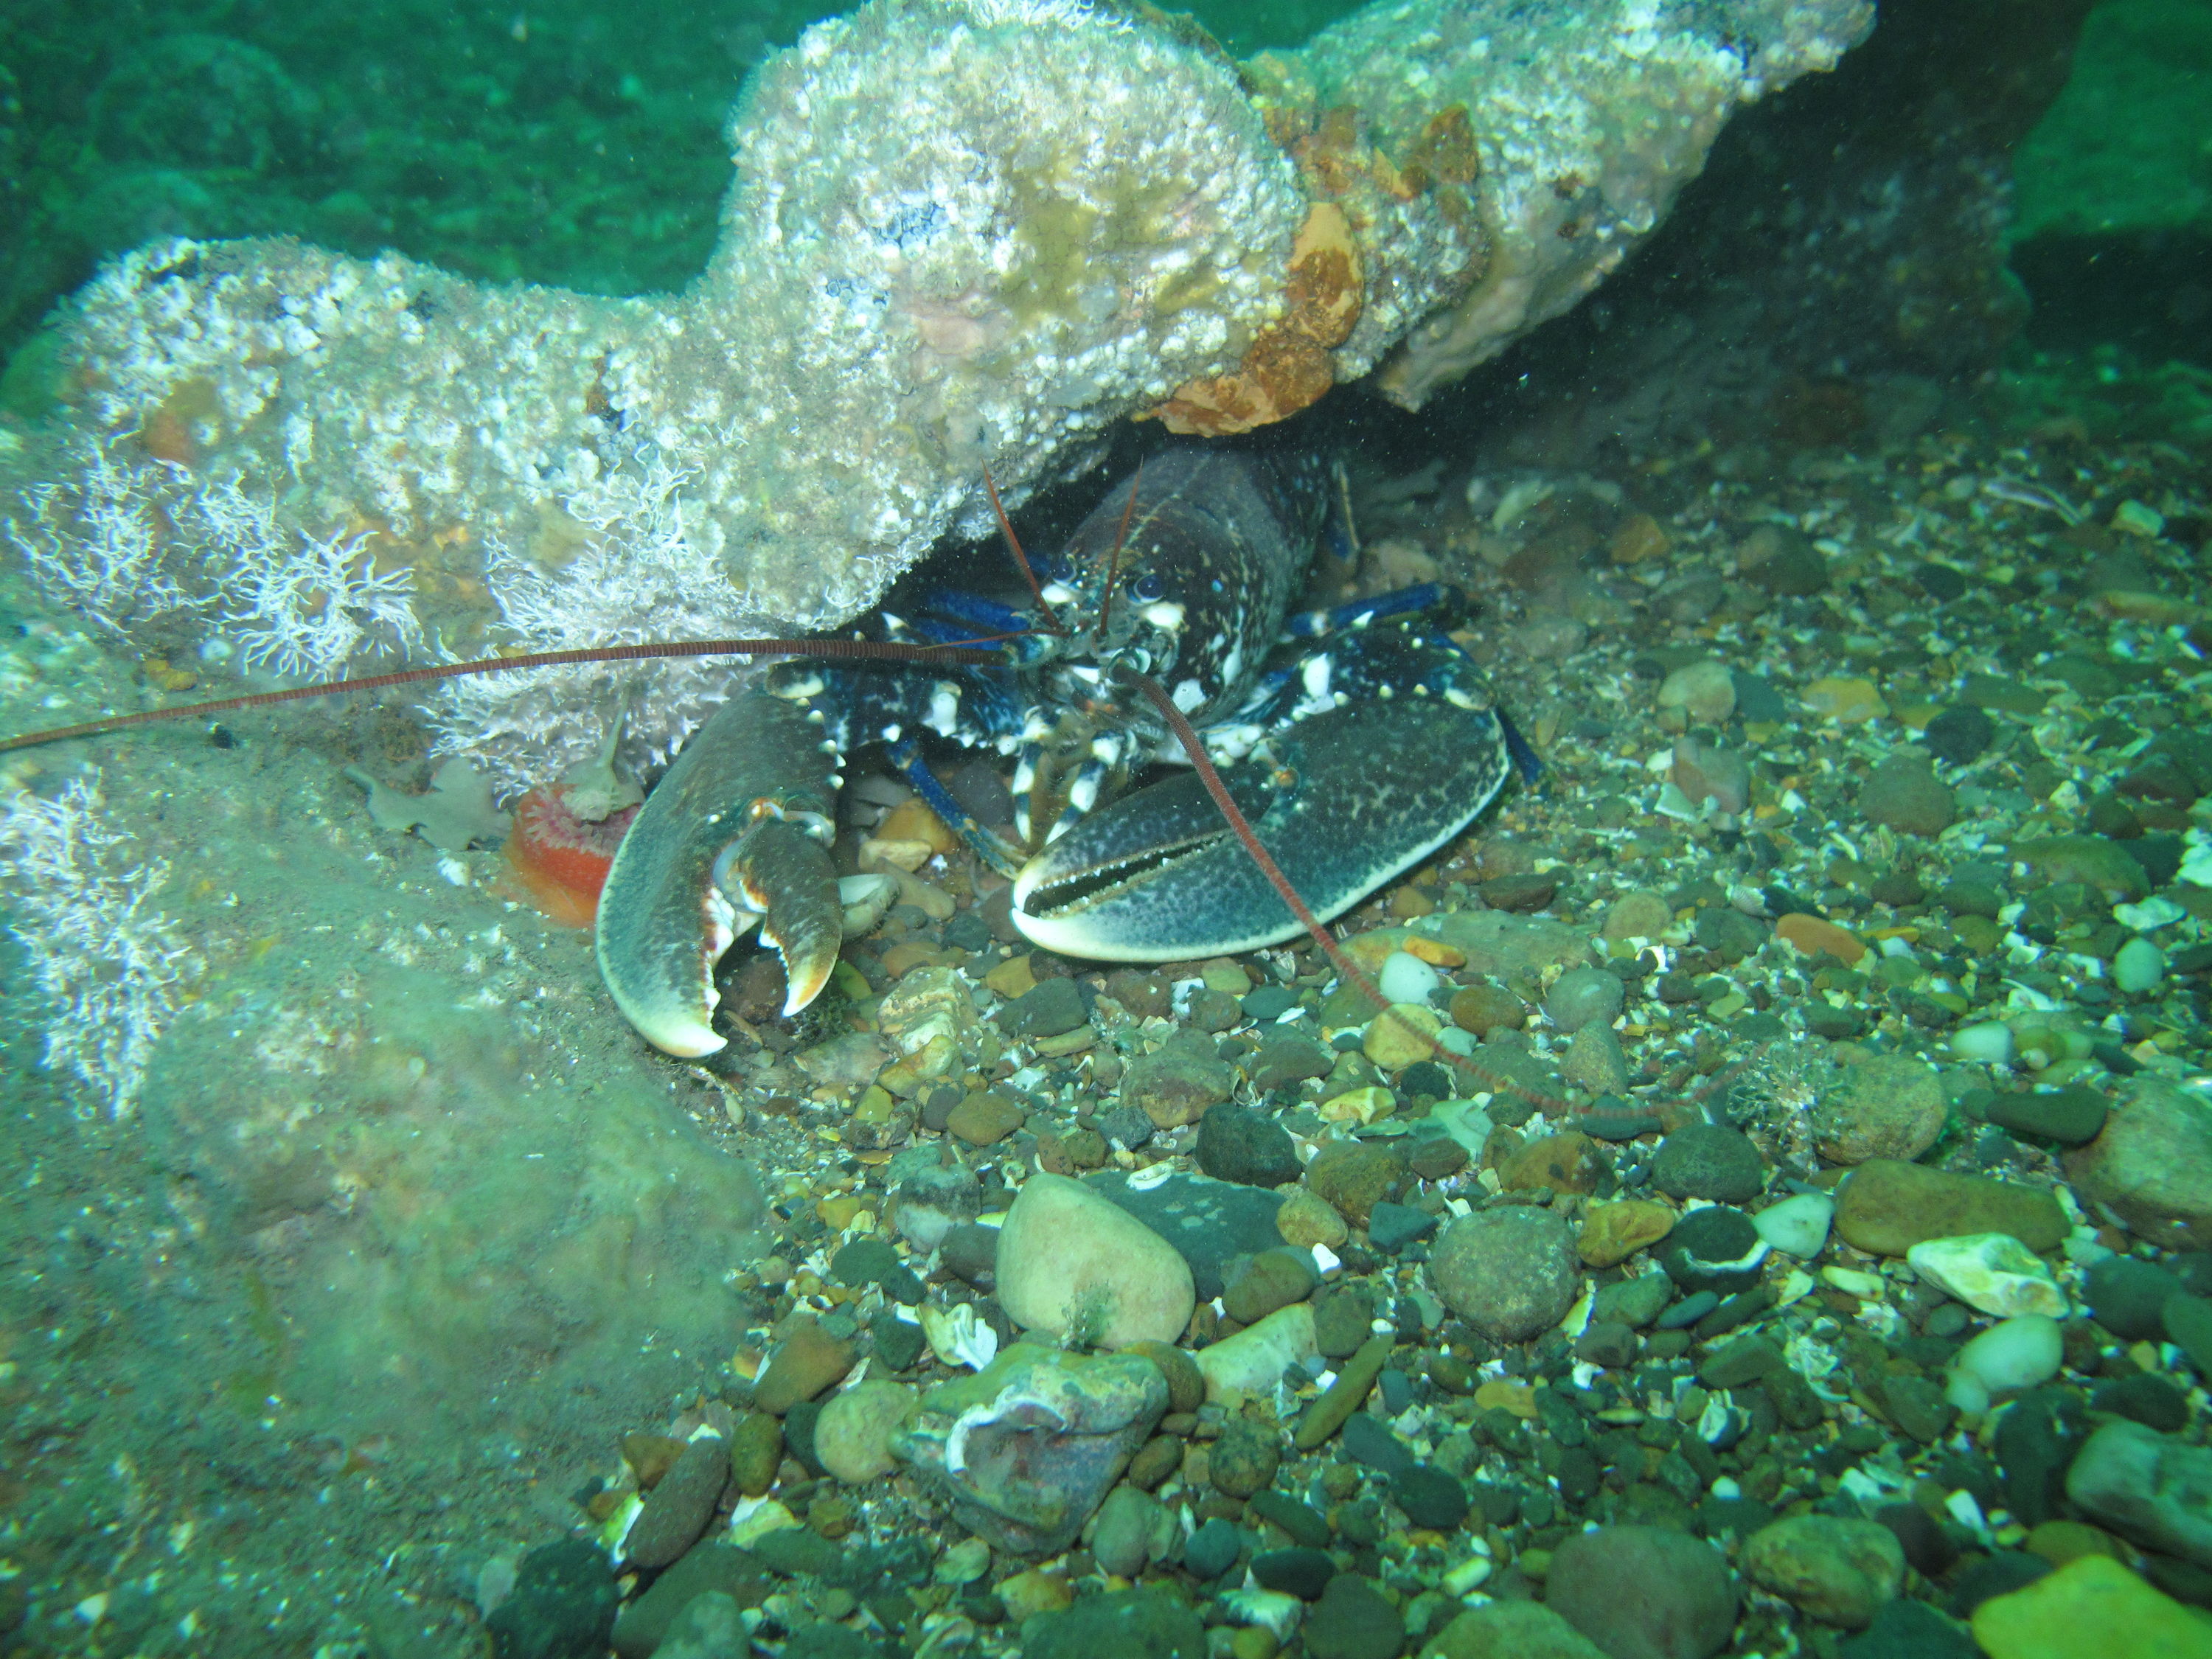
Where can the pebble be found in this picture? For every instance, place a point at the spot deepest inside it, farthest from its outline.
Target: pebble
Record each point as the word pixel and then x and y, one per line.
pixel 1689 1310
pixel 1839 1570
pixel 1512 1629
pixel 1368 1441
pixel 2072 1117
pixel 1301 1572
pixel 1709 1160
pixel 1179 1081
pixel 2091 1608
pixel 2138 968
pixel 1255 1286
pixel 2152 1164
pixel 1887 1106
pixel 1246 1145
pixel 1401 1035
pixel 1714 1248
pixel 2146 1398
pixel 1068 1256
pixel 1131 1530
pixel 2011 1355
pixel 1430 1496
pixel 1797 1226
pixel 1637 915
pixel 809 1360
pixel 1354 1620
pixel 1565 1163
pixel 1212 1549
pixel 2189 1324
pixel 1814 936
pixel 1306 1218
pixel 2151 1489
pixel 1703 691
pixel 1960 734
pixel 1903 793
pixel 1485 1008
pixel 1053 1008
pixel 1354 1176
pixel 1404 977
pixel 756 1449
pixel 985 1119
pixel 1582 995
pixel 677 1510
pixel 1509 1272
pixel 1887 1206
pixel 1148 1623
pixel 1644 1592
pixel 1243 1459
pixel 1257 1357
pixel 562 1604
pixel 1392 1227
pixel 1611 1233
pixel 1634 1302
pixel 1991 1273
pixel 1326 1415
pixel 853 1435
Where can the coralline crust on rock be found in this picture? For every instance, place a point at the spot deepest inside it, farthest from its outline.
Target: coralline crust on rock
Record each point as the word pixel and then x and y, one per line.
pixel 964 233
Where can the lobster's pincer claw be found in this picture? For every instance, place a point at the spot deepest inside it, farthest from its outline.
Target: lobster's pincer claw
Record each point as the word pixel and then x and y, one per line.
pixel 1353 798
pixel 733 834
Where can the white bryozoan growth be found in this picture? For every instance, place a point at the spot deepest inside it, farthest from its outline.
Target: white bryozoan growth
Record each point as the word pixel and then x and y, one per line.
pixel 109 964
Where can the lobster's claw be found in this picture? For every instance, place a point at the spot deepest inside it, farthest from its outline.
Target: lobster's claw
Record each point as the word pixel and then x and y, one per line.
pixel 734 834
pixel 1355 797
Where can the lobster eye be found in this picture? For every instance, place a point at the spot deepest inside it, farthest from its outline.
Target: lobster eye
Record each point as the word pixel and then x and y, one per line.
pixel 1148 587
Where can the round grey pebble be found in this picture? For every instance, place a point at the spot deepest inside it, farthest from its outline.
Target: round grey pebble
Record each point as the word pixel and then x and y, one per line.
pixel 1709 1160
pixel 1212 1549
pixel 1583 995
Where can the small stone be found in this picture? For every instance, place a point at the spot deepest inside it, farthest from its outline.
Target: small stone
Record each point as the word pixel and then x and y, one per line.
pixel 1306 1220
pixel 1304 1573
pixel 809 1361
pixel 562 1606
pixel 1149 1623
pixel 1903 793
pixel 1747 1360
pixel 1284 1060
pixel 1132 1530
pixel 1400 1034
pixel 1812 936
pixel 1782 559
pixel 1070 1260
pixel 1637 915
pixel 1709 1160
pixel 983 1120
pixel 1485 1008
pixel 1243 1460
pixel 1566 1163
pixel 1512 1630
pixel 2091 1608
pixel 1522 894
pixel 1611 1233
pixel 1429 1497
pixel 1580 996
pixel 1178 1082
pixel 1405 977
pixel 1369 1442
pixel 1342 1314
pixel 677 1510
pixel 2146 1398
pixel 1392 1227
pixel 1255 1286
pixel 1960 735
pixel 1186 1383
pixel 1839 1571
pixel 1798 1225
pixel 1212 1549
pixel 1886 1106
pixel 1644 1592
pixel 1634 1302
pixel 2072 1117
pixel 1509 1272
pixel 1614 1346
pixel 1052 1008
pixel 1438 1158
pixel 1243 1145
pixel 2188 1325
pixel 1326 1415
pixel 853 1435
pixel 1595 1063
pixel 1991 1273
pixel 2093 860
pixel 2152 1166
pixel 1846 701
pixel 756 1449
pixel 2151 1489
pixel 1703 692
pixel 1354 1620
pixel 1714 1248
pixel 1888 1206
pixel 1257 1357
pixel 2011 1355
pixel 1354 1176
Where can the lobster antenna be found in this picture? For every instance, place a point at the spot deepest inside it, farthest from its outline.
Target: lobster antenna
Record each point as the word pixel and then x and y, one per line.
pixel 1014 545
pixel 1188 736
pixel 1121 540
pixel 865 649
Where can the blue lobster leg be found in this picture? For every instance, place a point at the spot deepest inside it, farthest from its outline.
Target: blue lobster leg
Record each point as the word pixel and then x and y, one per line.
pixel 993 848
pixel 1383 607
